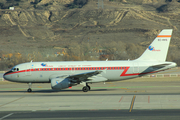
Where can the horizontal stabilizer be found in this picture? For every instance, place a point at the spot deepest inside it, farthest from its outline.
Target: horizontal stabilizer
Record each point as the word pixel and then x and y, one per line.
pixel 159 66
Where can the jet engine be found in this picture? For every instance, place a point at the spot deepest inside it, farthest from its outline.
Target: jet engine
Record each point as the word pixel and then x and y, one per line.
pixel 61 83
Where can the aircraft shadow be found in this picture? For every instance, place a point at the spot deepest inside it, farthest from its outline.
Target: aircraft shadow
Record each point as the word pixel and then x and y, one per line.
pixel 54 91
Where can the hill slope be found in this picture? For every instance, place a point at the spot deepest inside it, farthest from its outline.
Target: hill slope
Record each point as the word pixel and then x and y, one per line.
pixel 49 30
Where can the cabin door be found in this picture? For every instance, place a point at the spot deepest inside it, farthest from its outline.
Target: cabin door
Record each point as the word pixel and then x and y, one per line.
pixel 135 67
pixel 28 69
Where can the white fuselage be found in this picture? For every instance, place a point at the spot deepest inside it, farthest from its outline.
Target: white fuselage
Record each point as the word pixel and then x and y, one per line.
pixel 43 72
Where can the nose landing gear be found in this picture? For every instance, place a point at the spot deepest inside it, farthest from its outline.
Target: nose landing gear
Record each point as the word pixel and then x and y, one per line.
pixel 29 90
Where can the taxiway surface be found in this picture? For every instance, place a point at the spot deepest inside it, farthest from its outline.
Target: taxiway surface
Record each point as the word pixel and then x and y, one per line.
pixel 140 98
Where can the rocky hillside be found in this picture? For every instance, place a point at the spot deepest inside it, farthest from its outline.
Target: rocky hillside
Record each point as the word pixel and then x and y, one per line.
pixel 43 30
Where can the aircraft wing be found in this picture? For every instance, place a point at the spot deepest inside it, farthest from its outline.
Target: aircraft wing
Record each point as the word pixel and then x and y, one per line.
pixel 84 76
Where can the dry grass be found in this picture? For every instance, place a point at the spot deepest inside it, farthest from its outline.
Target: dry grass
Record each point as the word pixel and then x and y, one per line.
pixel 83 31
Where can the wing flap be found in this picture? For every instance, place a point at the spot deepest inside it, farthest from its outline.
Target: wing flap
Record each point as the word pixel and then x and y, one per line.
pixel 96 79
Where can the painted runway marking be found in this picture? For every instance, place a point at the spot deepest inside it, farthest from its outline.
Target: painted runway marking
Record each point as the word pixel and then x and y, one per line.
pixel 148 99
pixel 136 91
pixel 132 103
pixel 11 101
pixel 121 99
pixel 6 116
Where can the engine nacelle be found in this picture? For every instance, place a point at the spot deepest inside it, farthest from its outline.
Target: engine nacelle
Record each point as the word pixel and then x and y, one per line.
pixel 60 83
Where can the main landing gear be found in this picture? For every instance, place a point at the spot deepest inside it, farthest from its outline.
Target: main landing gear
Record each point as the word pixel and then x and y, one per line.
pixel 86 88
pixel 29 90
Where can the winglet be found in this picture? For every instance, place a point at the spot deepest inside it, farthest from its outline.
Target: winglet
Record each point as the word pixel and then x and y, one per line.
pixel 157 50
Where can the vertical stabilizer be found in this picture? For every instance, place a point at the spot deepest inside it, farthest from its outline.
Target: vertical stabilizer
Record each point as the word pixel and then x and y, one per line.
pixel 157 50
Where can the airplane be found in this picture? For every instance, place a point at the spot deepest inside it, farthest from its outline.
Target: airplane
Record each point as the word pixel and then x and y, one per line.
pixel 66 74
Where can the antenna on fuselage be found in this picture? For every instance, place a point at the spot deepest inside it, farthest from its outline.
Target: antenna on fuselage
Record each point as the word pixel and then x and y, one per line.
pixel 107 59
pixel 31 61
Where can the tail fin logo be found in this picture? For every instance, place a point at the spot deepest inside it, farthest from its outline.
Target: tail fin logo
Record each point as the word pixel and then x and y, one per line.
pixel 151 48
pixel 43 64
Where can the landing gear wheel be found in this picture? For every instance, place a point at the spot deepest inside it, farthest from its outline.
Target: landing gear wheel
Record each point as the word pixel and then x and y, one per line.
pixel 85 89
pixel 88 87
pixel 29 90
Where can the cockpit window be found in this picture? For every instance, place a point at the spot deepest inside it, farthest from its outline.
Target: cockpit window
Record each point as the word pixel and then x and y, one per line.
pixel 15 69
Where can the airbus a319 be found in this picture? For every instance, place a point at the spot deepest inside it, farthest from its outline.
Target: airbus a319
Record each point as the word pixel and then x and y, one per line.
pixel 63 75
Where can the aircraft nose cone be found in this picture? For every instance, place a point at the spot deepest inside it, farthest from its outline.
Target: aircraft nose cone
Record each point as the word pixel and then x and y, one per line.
pixel 5 76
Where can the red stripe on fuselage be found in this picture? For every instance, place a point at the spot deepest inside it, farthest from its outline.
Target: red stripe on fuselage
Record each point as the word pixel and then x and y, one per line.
pixel 125 70
pixel 18 72
pixel 70 69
